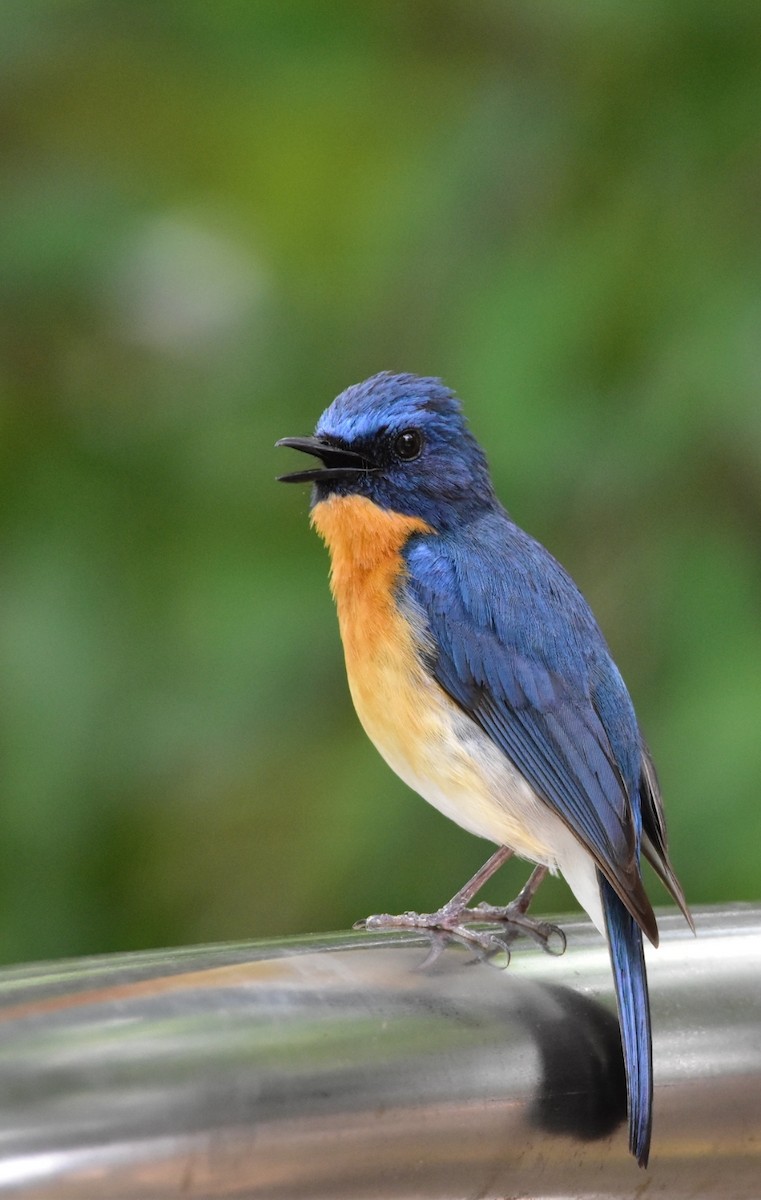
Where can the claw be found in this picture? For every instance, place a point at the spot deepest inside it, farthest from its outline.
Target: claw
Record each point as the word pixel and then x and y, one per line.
pixel 499 953
pixel 487 948
pixel 516 922
pixel 438 946
pixel 556 936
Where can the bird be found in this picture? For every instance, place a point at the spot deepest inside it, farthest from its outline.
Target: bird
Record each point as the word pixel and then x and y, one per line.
pixel 479 672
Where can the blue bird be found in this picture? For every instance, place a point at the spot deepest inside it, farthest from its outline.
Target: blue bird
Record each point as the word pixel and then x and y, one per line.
pixel 479 672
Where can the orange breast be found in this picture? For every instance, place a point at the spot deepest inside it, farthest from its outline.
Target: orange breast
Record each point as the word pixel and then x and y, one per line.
pixel 386 677
pixel 430 743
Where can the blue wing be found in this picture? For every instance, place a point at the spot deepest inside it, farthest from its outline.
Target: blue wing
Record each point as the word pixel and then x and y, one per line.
pixel 514 643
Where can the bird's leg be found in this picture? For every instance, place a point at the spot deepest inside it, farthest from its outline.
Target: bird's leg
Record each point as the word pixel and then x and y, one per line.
pixel 514 917
pixel 458 905
pixel 453 917
pixel 448 919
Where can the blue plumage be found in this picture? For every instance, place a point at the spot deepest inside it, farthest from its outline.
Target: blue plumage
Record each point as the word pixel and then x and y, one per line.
pixel 451 483
pixel 630 976
pixel 509 644
pixel 516 645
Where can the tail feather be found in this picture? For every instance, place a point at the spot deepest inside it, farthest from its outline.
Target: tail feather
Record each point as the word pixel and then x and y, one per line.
pixel 628 962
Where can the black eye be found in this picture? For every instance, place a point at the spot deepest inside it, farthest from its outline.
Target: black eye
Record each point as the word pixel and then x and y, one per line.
pixel 408 445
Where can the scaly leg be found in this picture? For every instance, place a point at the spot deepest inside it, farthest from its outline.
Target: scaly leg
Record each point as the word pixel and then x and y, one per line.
pixel 454 916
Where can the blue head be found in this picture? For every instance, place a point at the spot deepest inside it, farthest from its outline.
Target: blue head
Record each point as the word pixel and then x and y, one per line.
pixel 401 441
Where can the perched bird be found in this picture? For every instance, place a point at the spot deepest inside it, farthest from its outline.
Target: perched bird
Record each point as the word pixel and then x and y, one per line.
pixel 479 672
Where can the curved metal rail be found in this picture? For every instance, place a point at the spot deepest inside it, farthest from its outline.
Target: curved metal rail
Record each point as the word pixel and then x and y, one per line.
pixel 331 1067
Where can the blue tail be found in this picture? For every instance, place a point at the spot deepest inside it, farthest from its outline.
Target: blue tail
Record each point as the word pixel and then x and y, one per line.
pixel 628 961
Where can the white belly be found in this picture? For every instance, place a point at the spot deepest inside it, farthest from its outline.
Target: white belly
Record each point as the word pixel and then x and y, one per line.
pixel 457 768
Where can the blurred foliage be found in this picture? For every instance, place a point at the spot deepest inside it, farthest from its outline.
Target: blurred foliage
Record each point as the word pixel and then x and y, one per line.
pixel 215 217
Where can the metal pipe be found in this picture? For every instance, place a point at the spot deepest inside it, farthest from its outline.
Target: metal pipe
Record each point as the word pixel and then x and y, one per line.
pixel 331 1066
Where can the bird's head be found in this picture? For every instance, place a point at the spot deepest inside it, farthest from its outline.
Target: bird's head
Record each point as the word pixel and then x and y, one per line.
pixel 402 442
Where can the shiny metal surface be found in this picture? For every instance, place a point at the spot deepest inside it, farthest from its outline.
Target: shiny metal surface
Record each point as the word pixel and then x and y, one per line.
pixel 332 1067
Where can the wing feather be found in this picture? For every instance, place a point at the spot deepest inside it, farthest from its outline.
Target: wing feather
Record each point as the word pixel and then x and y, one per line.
pixel 522 667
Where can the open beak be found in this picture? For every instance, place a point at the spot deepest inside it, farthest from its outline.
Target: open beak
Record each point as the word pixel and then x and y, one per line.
pixel 337 463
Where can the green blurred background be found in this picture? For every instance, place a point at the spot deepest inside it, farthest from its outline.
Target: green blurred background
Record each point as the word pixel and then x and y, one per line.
pixel 214 217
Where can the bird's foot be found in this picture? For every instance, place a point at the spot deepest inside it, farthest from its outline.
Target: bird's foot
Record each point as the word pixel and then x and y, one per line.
pixel 445 925
pixel 451 921
pixel 515 921
pixel 514 917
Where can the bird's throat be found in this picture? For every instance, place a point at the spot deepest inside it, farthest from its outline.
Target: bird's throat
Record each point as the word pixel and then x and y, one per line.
pixel 381 645
pixel 362 536
pixel 365 544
